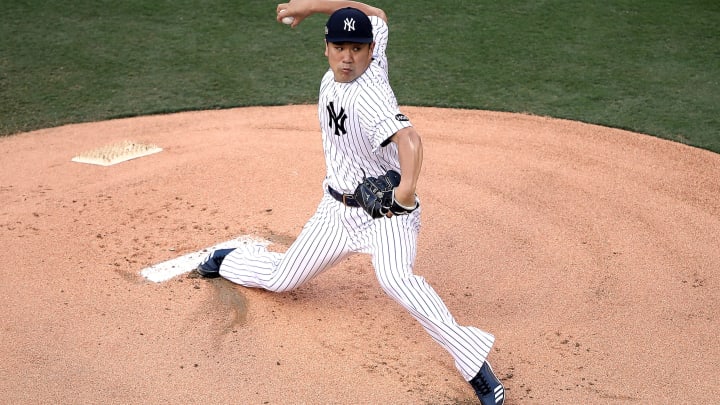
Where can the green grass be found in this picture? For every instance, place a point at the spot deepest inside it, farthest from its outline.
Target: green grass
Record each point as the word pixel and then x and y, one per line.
pixel 646 66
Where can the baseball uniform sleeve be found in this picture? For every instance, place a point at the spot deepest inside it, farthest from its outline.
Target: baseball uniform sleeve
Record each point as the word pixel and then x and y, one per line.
pixel 380 36
pixel 381 118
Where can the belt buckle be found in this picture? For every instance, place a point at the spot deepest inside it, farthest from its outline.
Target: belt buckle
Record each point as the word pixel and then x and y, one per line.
pixel 344 199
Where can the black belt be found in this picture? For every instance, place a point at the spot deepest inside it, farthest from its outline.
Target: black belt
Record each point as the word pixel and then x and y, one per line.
pixel 347 199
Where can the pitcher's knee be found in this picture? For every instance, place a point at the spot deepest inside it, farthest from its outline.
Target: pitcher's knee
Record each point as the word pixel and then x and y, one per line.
pixel 282 286
pixel 278 289
pixel 396 287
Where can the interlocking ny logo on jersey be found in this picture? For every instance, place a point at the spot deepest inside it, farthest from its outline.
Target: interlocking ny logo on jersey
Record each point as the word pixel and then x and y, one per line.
pixel 337 120
pixel 349 24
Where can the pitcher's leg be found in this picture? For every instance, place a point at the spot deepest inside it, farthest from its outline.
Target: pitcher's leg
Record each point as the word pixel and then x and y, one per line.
pixel 393 264
pixel 321 244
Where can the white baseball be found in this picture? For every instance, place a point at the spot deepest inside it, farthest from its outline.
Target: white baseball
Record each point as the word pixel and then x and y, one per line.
pixel 288 20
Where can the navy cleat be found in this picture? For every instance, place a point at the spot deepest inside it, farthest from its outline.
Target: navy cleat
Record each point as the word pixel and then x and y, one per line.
pixel 487 386
pixel 210 267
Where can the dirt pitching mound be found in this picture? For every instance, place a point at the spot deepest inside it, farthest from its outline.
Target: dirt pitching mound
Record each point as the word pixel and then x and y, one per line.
pixel 591 253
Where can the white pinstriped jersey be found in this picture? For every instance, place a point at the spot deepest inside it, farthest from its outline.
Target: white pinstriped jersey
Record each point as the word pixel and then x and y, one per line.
pixel 358 118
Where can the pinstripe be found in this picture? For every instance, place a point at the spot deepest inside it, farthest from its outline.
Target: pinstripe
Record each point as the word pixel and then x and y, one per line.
pixel 367 110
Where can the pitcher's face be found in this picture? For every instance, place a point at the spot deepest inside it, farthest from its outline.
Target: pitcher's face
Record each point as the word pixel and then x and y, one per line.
pixel 348 60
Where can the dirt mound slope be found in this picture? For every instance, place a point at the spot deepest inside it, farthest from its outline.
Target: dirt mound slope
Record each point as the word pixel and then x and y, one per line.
pixel 591 253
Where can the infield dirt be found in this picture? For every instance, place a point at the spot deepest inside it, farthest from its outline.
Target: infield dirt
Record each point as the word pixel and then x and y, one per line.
pixel 591 253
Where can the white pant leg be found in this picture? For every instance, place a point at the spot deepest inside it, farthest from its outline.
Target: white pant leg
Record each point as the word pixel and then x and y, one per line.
pixel 393 244
pixel 322 243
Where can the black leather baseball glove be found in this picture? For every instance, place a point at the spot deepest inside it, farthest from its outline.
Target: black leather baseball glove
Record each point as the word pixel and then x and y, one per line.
pixel 376 195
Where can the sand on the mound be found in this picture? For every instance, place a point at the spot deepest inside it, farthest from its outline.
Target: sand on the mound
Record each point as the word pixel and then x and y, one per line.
pixel 590 253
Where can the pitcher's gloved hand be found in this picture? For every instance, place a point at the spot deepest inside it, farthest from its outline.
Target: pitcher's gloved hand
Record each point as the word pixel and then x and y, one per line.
pixel 376 195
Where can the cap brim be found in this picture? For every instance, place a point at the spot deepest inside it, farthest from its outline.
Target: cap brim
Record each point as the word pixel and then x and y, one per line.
pixel 338 40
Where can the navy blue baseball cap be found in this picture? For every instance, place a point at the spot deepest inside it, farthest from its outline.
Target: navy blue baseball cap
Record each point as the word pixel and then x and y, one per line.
pixel 348 25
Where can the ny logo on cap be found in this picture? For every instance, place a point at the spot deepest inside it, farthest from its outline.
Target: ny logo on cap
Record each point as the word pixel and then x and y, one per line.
pixel 349 24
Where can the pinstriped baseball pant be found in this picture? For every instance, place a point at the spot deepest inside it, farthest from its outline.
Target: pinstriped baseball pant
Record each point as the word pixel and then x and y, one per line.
pixel 336 231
